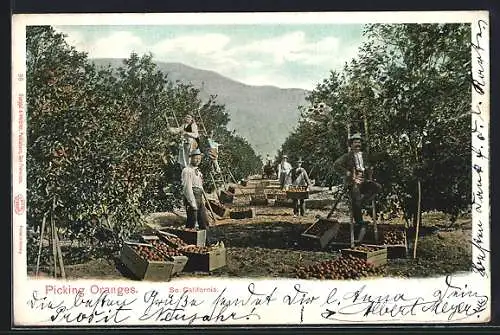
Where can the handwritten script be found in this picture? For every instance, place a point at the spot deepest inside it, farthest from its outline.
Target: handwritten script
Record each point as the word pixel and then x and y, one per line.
pixel 480 204
pixel 449 301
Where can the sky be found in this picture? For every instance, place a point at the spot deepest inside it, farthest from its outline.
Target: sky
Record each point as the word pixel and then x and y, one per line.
pixel 286 55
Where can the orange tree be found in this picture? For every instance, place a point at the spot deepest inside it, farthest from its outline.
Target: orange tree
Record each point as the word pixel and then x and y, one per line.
pixel 412 82
pixel 99 153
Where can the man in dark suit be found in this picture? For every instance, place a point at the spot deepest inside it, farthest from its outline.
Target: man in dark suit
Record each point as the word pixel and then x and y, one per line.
pixel 357 169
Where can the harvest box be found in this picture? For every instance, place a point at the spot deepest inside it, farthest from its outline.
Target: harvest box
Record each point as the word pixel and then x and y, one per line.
pixel 226 197
pixel 322 231
pixel 144 269
pixel 281 196
pixel 283 203
pixel 205 262
pixel 242 214
pixel 178 260
pixel 218 208
pixel 396 251
pixel 275 194
pixel 374 254
pixel 260 199
pixel 171 239
pixel 394 238
pixel 297 194
pixel 194 237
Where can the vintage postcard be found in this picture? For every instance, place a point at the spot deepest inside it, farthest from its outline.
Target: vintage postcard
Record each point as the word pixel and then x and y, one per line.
pixel 278 169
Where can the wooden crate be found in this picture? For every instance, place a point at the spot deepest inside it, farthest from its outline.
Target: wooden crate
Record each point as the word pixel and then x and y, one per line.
pixel 144 269
pixel 205 262
pixel 218 208
pixel 226 197
pixel 281 196
pixel 270 196
pixel 179 264
pixel 318 203
pixel 242 214
pixel 258 200
pixel 197 237
pixel 179 261
pixel 297 194
pixel 322 231
pixel 275 194
pixel 167 238
pixel 396 251
pixel 287 203
pixel 377 257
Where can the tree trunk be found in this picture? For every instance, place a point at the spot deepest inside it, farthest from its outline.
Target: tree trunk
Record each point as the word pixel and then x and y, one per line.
pixel 418 216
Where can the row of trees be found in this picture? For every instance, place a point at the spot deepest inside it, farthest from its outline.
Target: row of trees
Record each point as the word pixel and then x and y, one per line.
pixel 411 82
pixel 98 145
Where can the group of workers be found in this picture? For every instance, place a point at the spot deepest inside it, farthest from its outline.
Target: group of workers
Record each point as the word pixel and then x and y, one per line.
pixel 297 176
pixel 357 169
pixel 354 165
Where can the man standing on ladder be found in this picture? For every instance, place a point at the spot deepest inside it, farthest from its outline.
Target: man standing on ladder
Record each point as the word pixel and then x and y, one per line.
pixel 284 172
pixel 213 153
pixel 358 172
pixel 190 140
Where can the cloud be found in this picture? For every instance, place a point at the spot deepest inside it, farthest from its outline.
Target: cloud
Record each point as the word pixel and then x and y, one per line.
pixel 118 44
pixel 208 51
pixel 267 61
pixel 280 49
pixel 197 44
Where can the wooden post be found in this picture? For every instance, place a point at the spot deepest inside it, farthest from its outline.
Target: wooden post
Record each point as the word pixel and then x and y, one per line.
pixel 374 212
pixel 419 198
pixel 42 230
pixel 351 224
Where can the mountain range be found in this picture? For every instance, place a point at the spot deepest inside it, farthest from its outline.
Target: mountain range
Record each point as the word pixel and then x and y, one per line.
pixel 263 115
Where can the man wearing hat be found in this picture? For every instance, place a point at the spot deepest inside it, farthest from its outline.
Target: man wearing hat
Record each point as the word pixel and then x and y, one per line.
pixel 300 178
pixel 190 139
pixel 357 171
pixel 284 172
pixel 192 183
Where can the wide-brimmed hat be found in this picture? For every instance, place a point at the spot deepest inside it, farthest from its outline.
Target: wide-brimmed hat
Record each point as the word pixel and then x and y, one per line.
pixel 300 160
pixel 355 136
pixel 284 156
pixel 195 152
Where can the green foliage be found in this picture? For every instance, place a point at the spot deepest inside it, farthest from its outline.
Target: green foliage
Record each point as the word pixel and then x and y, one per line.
pixel 99 150
pixel 412 83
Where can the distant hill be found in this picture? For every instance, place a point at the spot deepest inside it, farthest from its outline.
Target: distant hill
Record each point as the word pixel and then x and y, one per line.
pixel 264 115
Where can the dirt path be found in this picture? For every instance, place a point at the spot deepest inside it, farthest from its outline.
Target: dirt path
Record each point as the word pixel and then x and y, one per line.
pixel 269 245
